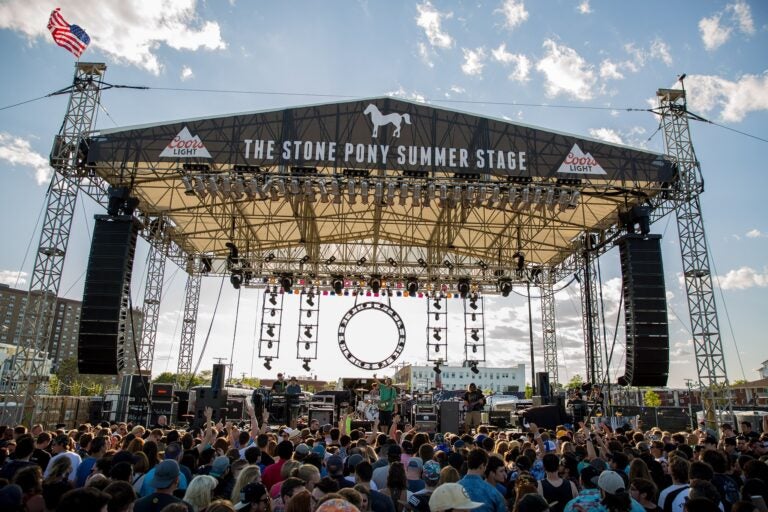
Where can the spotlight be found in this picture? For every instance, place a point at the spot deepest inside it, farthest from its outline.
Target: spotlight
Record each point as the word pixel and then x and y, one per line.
pixel 269 257
pixel 421 262
pixel 286 282
pixel 473 302
pixel 475 336
pixel 437 348
pixel 309 313
pixel 306 365
pixel 306 346
pixel 436 335
pixel 392 261
pixel 188 189
pixel 308 332
pixel 474 317
pixel 437 369
pixel 271 331
pixel 474 349
pixel 200 187
pixel 270 344
pixel 268 364
pixel 337 284
pixel 310 302
pixel 412 285
pixel 463 288
pixel 375 283
pixel 437 317
pixel 272 312
pixel 304 259
pixel 474 369
pixel 273 299
pixel 235 280
pixel 436 304
pixel 505 287
pixel 238 188
pixel 330 260
pixel 361 261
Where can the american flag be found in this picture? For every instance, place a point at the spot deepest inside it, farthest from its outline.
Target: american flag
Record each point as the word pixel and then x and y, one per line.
pixel 70 37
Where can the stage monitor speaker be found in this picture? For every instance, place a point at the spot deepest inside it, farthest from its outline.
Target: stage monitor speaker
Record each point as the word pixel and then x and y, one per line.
pixel 449 417
pixel 323 416
pixel 645 311
pixel 204 397
pixel 542 387
pixel 100 348
pixel 218 377
pixel 545 416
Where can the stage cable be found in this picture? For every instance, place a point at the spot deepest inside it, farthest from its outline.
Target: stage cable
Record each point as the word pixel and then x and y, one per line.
pixel 207 336
pixel 234 337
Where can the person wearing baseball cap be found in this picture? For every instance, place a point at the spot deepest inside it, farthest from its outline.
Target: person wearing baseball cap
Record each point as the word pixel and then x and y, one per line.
pixel 419 501
pixel 451 497
pixel 165 481
pixel 615 493
pixel 254 498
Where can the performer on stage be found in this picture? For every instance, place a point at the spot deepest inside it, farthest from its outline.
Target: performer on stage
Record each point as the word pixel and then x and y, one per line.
pixel 387 397
pixel 279 385
pixel 292 393
pixel 474 402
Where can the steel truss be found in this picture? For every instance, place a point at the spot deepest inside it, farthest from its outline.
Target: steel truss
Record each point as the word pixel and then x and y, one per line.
pixel 708 345
pixel 548 330
pixel 153 292
pixel 27 372
pixel 590 307
pixel 189 322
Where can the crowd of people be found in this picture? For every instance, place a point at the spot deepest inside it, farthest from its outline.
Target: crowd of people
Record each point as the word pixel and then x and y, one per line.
pixel 224 467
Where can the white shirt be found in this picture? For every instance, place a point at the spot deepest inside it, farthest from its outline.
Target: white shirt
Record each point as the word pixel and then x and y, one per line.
pixel 73 458
pixel 679 501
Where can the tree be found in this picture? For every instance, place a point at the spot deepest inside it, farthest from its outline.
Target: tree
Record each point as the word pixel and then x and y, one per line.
pixel 69 381
pixel 739 382
pixel 576 382
pixel 651 399
pixel 528 392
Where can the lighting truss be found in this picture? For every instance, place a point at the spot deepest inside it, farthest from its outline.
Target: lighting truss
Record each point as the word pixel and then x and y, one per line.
pixel 271 323
pixel 437 328
pixel 474 329
pixel 309 320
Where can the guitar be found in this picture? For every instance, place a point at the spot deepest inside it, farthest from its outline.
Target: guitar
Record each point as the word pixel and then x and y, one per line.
pixel 471 405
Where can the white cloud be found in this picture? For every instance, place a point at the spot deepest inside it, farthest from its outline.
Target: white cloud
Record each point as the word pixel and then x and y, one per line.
pixel 186 73
pixel 660 50
pixel 13 277
pixel 610 70
pixel 716 29
pixel 756 233
pixel 707 93
pixel 606 134
pixel 743 16
pixel 429 19
pixel 514 13
pixel 743 278
pixel 638 56
pixel 474 61
pixel 425 54
pixel 18 151
pixel 521 64
pixel 130 31
pixel 712 33
pixel 584 7
pixel 566 72
pixel 413 95
pixel 457 89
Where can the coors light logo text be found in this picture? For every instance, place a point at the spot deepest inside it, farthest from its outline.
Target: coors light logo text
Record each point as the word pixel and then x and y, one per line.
pixel 184 145
pixel 578 163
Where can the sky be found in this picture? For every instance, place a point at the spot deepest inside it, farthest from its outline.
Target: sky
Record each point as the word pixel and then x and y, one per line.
pixel 547 63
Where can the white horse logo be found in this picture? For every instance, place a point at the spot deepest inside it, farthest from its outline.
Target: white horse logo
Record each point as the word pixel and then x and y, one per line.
pixel 379 119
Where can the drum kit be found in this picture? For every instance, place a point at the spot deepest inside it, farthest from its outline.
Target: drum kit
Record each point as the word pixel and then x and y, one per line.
pixel 367 405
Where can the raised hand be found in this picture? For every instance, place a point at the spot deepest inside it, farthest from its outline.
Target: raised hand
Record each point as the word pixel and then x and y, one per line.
pixel 208 413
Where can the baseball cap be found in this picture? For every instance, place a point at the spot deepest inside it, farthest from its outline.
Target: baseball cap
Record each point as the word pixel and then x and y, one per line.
pixel 302 449
pixel 353 460
pixel 479 438
pixel 172 451
pixel 451 495
pixel 532 502
pixel 599 464
pixel 165 473
pixel 251 493
pixel 610 482
pixel 549 446
pixel 319 449
pixel 415 463
pixel 431 471
pixel 458 444
pixel 219 466
pixel 337 505
pixel 335 464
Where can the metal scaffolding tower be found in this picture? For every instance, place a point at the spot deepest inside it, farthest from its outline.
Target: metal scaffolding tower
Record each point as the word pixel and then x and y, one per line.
pixel 548 326
pixel 708 346
pixel 21 381
pixel 189 322
pixel 593 347
pixel 153 293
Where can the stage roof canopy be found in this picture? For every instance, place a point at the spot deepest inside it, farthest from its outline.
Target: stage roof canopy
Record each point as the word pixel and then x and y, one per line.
pixel 375 186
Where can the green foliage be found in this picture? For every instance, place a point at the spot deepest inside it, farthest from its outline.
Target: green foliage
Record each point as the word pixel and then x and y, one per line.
pixel 528 391
pixel 739 382
pixel 184 381
pixel 575 382
pixel 651 399
pixel 68 381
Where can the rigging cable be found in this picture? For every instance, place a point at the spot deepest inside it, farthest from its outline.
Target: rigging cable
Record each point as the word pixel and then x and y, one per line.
pixel 234 337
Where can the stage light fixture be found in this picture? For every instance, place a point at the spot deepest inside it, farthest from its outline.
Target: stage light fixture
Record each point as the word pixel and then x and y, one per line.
pixel 574 199
pixel 280 187
pixel 272 312
pixel 480 196
pixel 309 192
pixel 273 299
pixel 337 284
pixel 505 287
pixel 188 188
pixel 436 335
pixel 238 188
pixel 286 283
pixel 430 194
pixel 403 193
pixel 537 192
pixel 269 257
pixel 378 192
pixel 364 191
pixel 304 259
pixel 443 196
pixel 474 335
pixel 336 191
pixel 392 261
pixel 330 260
pixel 437 317
pixel 271 331
pixel 268 364
pixel 470 195
pixel 437 304
pixel 474 349
pixel 351 192
pixel 455 197
pixel 390 193
pixel 211 186
pixel 473 368
pixel 563 198
pixel 448 264
pixel 207 263
pixel 308 331
pixel 550 197
pixel 483 265
pixel 270 344
pixel 416 199
pixel 495 192
pixel 525 195
pixel 295 187
pixel 226 188
pixel 309 313
pixel 412 285
pixel 512 195
pixel 306 346
pixel 374 283
pixel 236 280
pixel 323 190
pixel 310 299
pixel 473 302
pixel 437 369
pixel 519 259
pixel 361 261
pixel 474 317
pixel 306 365
pixel 422 263
pixel 200 187
pixel 463 287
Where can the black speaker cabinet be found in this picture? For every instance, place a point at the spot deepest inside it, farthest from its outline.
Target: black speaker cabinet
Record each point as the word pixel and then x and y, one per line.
pixel 542 387
pixel 546 416
pixel 449 417
pixel 101 343
pixel 645 311
pixel 218 377
pixel 323 416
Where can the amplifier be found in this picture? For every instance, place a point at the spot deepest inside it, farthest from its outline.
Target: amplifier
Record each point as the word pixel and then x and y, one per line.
pixel 424 409
pixel 499 419
pixel 323 415
pixel 425 426
pixel 425 417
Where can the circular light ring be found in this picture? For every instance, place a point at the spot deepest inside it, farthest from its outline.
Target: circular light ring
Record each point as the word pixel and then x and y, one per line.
pixel 375 306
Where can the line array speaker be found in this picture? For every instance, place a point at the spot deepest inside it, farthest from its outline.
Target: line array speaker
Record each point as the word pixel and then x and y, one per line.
pixel 100 348
pixel 645 311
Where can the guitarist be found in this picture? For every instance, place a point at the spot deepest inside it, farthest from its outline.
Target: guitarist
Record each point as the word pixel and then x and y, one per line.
pixel 387 397
pixel 474 401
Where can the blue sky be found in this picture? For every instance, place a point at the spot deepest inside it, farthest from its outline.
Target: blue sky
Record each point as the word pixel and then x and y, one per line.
pixel 491 58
